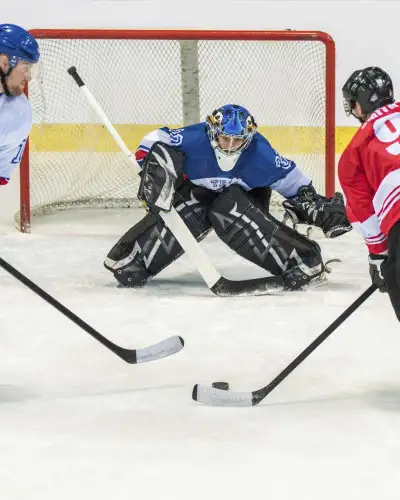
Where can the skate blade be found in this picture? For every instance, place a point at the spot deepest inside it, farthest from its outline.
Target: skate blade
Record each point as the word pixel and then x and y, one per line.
pixel 316 282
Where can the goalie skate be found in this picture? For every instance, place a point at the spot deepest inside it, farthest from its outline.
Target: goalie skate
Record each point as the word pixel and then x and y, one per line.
pixel 321 279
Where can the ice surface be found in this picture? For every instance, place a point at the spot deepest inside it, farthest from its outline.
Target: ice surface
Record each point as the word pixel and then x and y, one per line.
pixel 76 422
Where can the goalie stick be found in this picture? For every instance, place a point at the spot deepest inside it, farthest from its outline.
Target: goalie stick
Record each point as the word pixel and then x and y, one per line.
pixel 160 350
pixel 215 281
pixel 219 397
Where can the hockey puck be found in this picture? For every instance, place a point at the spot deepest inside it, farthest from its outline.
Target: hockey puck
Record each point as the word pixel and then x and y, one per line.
pixel 224 386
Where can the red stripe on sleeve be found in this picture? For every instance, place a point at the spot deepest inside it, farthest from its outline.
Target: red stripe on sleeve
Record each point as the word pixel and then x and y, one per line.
pixel 141 154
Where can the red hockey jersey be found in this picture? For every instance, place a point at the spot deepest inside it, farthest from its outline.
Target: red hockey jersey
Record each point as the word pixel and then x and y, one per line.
pixel 369 173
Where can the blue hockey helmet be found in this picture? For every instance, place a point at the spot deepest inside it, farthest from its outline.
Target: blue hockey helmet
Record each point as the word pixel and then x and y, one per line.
pixel 18 44
pixel 230 128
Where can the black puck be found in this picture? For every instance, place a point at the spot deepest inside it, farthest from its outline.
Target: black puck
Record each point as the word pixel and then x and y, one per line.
pixel 224 386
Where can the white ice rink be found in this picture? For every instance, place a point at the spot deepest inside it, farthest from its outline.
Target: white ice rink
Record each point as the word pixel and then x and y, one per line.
pixel 77 423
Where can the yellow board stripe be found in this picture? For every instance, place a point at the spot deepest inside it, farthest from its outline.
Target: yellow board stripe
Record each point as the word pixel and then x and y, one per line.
pixel 67 137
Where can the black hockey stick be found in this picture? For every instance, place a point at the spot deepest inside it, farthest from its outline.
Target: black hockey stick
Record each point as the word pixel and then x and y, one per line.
pixel 218 397
pixel 133 356
pixel 215 281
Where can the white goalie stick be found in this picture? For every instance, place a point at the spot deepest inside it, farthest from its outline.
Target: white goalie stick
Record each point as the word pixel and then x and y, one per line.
pixel 215 281
pixel 162 349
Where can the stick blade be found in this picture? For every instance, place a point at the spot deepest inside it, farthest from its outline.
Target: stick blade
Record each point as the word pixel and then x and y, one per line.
pixel 218 397
pixel 163 349
pixel 256 286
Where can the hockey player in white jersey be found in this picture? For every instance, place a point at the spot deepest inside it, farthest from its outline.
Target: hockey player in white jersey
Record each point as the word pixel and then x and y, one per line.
pixel 19 55
pixel 218 174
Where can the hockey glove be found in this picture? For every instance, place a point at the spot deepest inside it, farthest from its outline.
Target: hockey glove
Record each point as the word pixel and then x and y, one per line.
pixel 376 262
pixel 329 214
pixel 161 172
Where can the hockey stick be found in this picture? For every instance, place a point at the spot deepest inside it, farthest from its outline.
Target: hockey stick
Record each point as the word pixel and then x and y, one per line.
pixel 215 281
pixel 218 397
pixel 160 350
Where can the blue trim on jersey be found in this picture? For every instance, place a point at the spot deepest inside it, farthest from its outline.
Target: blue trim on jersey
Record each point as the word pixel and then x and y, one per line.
pixel 258 166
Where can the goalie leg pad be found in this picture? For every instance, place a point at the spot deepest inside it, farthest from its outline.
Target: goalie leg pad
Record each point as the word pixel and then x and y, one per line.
pixel 262 239
pixel 261 197
pixel 149 246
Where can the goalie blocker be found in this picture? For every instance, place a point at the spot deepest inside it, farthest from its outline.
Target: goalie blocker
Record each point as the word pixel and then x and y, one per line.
pixel 161 173
pixel 236 216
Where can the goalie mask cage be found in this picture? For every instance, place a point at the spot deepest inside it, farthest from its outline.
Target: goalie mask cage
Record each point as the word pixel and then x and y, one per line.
pixel 148 79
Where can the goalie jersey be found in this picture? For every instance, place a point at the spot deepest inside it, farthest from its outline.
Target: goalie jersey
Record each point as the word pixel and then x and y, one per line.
pixel 15 125
pixel 259 165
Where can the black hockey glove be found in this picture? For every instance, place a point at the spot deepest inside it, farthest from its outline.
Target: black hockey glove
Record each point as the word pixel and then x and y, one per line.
pixel 376 263
pixel 162 171
pixel 329 214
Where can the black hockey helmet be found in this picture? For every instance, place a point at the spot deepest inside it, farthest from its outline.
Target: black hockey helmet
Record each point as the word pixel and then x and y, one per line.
pixel 371 87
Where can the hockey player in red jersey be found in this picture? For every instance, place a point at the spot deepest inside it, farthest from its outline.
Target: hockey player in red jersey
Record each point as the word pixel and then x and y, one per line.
pixel 369 172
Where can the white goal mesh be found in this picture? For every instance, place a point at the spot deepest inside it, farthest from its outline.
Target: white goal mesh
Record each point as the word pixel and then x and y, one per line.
pixel 143 84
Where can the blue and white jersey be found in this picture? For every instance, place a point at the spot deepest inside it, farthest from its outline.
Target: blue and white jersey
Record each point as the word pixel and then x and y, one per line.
pixel 15 125
pixel 257 166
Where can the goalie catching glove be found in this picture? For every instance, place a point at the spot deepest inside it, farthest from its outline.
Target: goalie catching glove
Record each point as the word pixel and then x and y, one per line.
pixel 161 173
pixel 329 214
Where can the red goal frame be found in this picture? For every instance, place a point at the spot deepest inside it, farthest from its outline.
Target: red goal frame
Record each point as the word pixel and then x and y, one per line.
pixel 25 212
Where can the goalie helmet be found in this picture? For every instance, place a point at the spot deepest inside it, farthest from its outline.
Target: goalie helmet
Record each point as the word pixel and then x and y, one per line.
pixel 230 128
pixel 371 87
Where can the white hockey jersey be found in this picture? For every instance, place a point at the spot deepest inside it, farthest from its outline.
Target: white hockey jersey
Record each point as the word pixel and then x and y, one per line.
pixel 15 125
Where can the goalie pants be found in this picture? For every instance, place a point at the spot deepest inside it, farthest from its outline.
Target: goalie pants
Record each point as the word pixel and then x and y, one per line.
pixel 240 220
pixel 391 268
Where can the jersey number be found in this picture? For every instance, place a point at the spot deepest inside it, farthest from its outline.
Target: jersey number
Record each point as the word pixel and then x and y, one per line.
pixel 387 129
pixel 18 156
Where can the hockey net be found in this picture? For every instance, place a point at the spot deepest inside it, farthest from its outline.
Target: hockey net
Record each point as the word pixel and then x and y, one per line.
pixel 148 79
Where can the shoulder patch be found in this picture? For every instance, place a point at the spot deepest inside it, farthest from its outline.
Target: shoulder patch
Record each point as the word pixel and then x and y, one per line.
pixel 282 162
pixel 176 136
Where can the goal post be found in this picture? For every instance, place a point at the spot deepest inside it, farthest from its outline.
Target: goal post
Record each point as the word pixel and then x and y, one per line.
pixel 146 79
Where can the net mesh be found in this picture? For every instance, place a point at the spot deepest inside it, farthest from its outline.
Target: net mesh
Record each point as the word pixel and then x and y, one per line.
pixel 145 84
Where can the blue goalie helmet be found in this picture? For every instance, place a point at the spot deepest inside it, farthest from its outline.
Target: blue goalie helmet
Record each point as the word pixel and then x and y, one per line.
pixel 230 128
pixel 18 44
